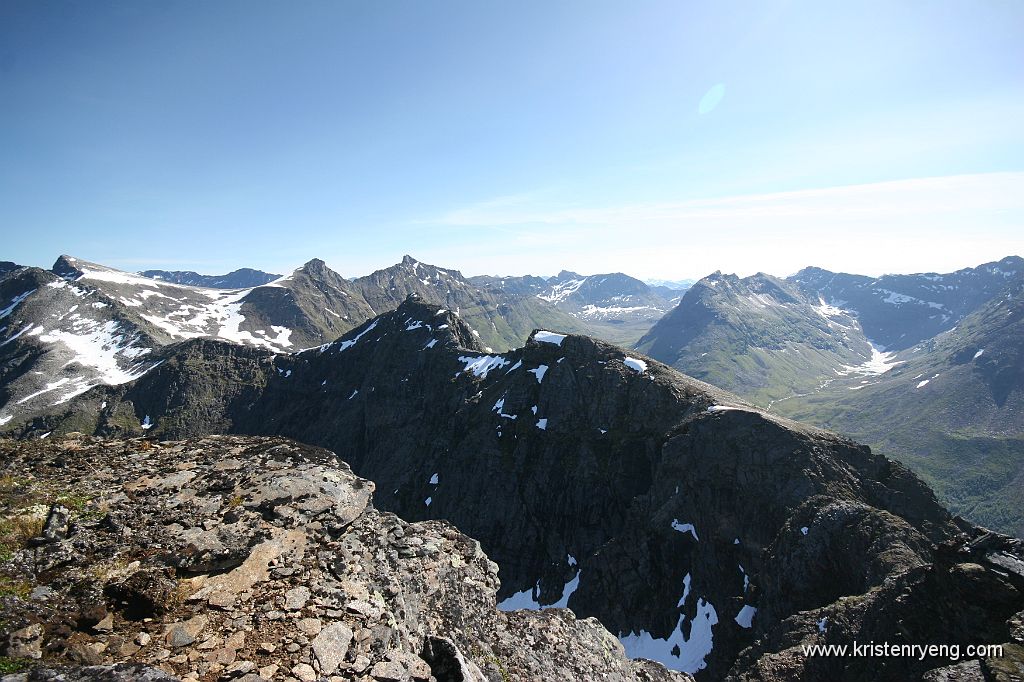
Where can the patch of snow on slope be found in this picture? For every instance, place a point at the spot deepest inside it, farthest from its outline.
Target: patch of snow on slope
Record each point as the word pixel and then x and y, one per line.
pixel 684 528
pixel 879 364
pixel 482 365
pixel 567 591
pixel 345 345
pixel 118 277
pixel 635 364
pixel 724 408
pixel 562 291
pixel 15 302
pixel 540 371
pixel 549 337
pixel 692 650
pixel 745 617
pixel 46 389
pixel 686 590
pixel 522 600
pixel 104 348
pixel 591 310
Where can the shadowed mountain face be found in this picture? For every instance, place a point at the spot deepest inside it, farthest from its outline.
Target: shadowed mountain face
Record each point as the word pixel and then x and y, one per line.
pixel 243 278
pixel 703 532
pixel 927 368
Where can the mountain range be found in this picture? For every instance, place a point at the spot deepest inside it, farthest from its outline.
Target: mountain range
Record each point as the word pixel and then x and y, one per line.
pixel 927 368
pixel 705 533
pixel 614 307
pixel 704 529
pixel 82 324
pixel 236 279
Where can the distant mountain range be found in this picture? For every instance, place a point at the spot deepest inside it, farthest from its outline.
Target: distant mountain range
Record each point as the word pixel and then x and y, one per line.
pixel 82 324
pixel 614 306
pixel 928 368
pixel 236 279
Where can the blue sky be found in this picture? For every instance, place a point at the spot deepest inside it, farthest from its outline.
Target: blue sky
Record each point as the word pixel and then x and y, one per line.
pixel 663 139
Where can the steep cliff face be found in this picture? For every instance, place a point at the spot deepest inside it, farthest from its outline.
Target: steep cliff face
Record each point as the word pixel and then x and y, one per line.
pixel 698 529
pixel 255 559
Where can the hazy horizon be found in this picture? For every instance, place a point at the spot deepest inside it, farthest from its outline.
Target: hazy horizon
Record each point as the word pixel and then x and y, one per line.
pixel 468 273
pixel 661 139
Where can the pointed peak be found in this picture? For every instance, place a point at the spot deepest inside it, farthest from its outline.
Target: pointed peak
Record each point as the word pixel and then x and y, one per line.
pixel 317 268
pixel 314 265
pixel 409 260
pixel 67 267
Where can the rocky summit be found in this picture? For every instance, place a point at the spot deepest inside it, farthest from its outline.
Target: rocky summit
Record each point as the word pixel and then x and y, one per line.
pixel 702 532
pixel 249 558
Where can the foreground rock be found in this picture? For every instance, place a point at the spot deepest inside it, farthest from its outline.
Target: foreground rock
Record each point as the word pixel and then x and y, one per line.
pixel 254 559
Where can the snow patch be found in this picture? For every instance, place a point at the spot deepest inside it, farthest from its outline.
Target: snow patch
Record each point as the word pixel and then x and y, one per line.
pixel 635 364
pixel 692 650
pixel 685 528
pixel 345 345
pixel 549 337
pixel 15 302
pixel 522 600
pixel 745 617
pixel 482 365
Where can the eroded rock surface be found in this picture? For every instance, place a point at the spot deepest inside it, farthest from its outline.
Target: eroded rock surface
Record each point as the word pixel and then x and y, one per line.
pixel 259 559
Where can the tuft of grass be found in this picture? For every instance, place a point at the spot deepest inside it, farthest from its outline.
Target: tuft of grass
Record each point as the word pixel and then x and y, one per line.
pixel 13 665
pixel 16 531
pixel 10 587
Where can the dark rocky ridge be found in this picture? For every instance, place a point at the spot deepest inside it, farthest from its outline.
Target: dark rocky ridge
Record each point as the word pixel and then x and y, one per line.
pixel 604 492
pixel 256 559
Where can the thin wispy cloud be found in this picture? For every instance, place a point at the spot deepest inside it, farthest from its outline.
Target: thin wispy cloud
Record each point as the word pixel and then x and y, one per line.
pixel 854 227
